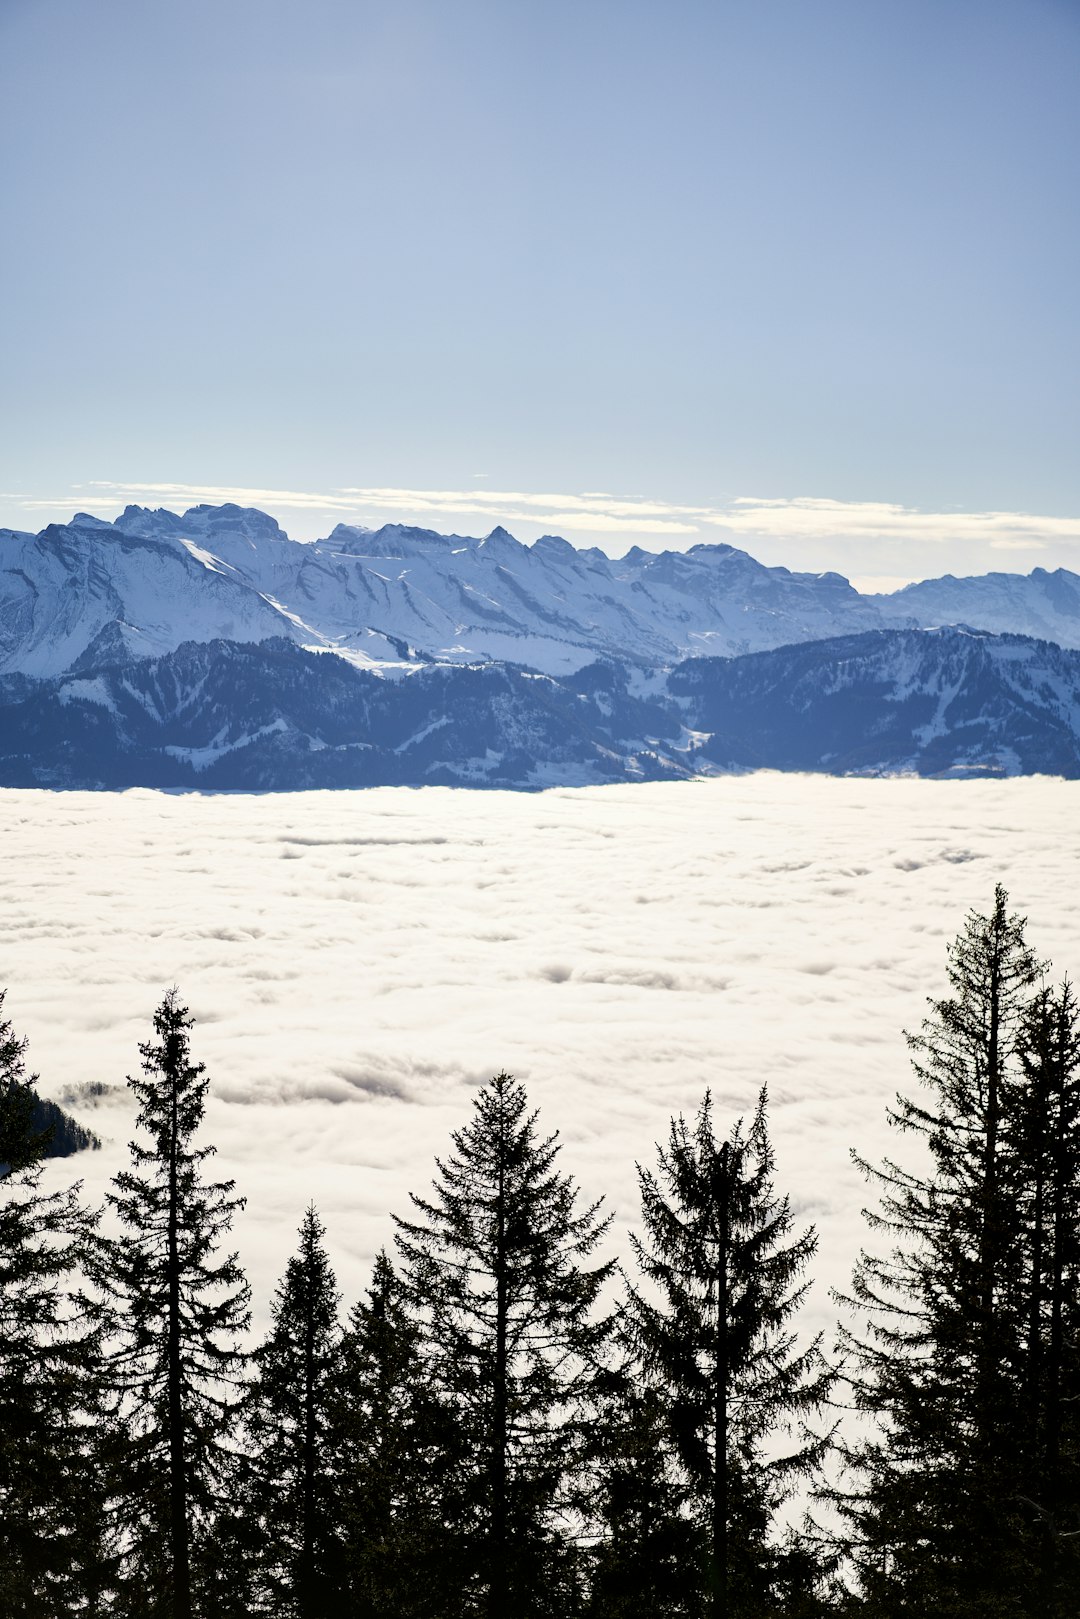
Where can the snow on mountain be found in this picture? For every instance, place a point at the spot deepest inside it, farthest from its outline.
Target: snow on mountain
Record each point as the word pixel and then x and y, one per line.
pixel 152 584
pixel 394 595
pixel 398 595
pixel 273 716
pixel 928 702
pixel 1045 605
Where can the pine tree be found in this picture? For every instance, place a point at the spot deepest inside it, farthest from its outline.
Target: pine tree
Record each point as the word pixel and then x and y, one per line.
pixel 52 1556
pixel 937 1358
pixel 645 1541
pixel 713 1333
pixel 291 1427
pixel 1047 1105
pixel 402 1452
pixel 496 1265
pixel 178 1309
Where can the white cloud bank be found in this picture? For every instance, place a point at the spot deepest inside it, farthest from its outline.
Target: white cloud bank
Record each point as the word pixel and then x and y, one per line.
pixel 617 520
pixel 359 962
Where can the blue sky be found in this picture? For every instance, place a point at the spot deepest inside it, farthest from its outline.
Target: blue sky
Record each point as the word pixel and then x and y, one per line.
pixel 797 273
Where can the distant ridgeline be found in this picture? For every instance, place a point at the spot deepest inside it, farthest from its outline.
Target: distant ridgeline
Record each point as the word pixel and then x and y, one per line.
pixel 211 651
pixel 66 1135
pixel 271 716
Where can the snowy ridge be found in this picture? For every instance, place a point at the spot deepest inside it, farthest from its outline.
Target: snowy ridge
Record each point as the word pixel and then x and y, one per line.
pixel 395 595
pixel 272 716
pixel 1042 604
pixel 399 595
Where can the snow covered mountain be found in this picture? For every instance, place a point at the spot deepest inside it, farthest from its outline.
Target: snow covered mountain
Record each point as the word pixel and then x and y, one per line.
pixel 1043 604
pixel 271 716
pixel 198 650
pixel 928 702
pixel 60 589
pixel 155 579
pixel 397 595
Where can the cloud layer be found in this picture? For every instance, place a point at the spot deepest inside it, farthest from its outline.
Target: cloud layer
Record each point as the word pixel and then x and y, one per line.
pixel 359 962
pixel 611 518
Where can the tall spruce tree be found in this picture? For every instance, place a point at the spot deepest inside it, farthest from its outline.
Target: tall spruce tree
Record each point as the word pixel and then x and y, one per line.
pixel 178 1310
pixel 946 1351
pixel 496 1266
pixel 292 1431
pixel 52 1537
pixel 1047 1152
pixel 712 1328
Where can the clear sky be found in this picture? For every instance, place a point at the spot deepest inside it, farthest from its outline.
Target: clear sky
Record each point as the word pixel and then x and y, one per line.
pixel 799 273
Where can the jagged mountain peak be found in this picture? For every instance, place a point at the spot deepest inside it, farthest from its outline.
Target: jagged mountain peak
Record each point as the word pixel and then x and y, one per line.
pixel 230 572
pixel 84 520
pixel 148 521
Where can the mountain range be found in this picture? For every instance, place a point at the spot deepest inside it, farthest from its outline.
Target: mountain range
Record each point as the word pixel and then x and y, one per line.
pixel 397 595
pixel 211 650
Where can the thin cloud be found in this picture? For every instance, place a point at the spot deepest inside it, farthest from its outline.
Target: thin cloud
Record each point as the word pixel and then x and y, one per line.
pixel 602 513
pixel 814 518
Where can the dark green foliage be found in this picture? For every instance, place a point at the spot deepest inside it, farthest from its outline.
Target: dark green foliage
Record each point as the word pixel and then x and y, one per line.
pixel 178 1309
pixel 711 1331
pixel 295 1490
pixel 959 1501
pixel 51 1555
pixel 402 1455
pixel 1047 1301
pixel 647 1546
pixel 66 1135
pixel 31 1127
pixel 496 1267
pixel 23 1141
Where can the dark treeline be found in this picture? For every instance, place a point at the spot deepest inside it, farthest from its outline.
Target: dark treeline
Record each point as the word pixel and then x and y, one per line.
pixel 508 1426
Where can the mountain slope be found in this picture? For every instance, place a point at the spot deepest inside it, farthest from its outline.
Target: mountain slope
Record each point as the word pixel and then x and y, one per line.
pixel 396 595
pixel 1045 605
pixel 61 588
pixel 271 716
pixel 932 702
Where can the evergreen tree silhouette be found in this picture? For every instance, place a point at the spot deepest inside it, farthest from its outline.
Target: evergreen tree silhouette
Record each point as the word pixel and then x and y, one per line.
pixel 178 1309
pixel 402 1455
pixel 712 1329
pixel 495 1263
pixel 290 1422
pixel 53 1556
pixel 646 1542
pixel 1047 1154
pixel 946 1354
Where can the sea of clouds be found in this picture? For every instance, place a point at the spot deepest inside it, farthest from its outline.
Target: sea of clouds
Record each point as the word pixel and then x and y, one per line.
pixel 359 962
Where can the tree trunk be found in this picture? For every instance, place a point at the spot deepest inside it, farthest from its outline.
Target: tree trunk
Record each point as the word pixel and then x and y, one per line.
pixel 990 1223
pixel 498 1593
pixel 178 1514
pixel 1036 1302
pixel 307 1552
pixel 719 1604
pixel 1060 1233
